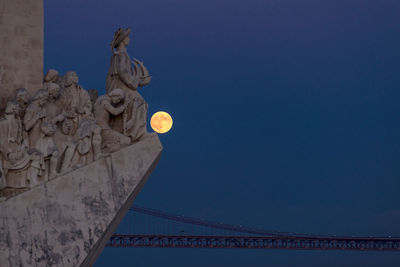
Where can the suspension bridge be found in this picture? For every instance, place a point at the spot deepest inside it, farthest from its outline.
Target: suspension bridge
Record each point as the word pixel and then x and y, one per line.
pixel 149 228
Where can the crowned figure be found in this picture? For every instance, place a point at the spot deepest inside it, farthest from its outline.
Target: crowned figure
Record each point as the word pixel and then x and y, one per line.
pixel 128 75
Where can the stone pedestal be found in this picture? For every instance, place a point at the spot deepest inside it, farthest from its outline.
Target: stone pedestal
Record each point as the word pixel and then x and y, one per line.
pixel 21 46
pixel 68 220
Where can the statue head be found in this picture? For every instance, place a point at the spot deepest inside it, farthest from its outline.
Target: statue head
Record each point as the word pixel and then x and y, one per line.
pixel 121 37
pixel 51 76
pixel 12 108
pixel 116 95
pixel 22 96
pixel 126 40
pixel 54 90
pixel 71 78
pixel 67 127
pixel 41 97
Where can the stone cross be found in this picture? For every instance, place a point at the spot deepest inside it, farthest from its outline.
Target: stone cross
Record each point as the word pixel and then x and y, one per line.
pixel 21 47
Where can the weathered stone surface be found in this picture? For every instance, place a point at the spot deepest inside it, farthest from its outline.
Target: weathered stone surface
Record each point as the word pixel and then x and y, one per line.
pixel 67 221
pixel 21 43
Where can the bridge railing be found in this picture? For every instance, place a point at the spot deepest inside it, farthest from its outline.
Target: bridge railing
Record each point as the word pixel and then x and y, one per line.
pixel 149 228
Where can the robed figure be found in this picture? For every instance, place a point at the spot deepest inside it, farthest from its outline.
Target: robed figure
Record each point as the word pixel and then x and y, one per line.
pixel 128 75
pixel 18 168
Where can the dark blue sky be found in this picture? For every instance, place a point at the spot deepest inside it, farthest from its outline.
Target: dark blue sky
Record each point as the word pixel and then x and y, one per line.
pixel 286 115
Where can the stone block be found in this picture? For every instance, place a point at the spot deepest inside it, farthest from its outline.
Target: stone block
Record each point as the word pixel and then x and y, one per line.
pixel 21 47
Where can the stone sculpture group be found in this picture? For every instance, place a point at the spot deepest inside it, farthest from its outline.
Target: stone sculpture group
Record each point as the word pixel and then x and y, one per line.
pixel 62 127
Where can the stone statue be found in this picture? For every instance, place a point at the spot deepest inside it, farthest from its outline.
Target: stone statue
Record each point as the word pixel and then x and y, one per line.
pixel 123 75
pixel 51 76
pixel 105 108
pixel 13 145
pixel 83 138
pixel 76 100
pixel 65 127
pixel 67 145
pixel 34 116
pixel 53 107
pixel 48 149
pixel 18 166
pixel 22 97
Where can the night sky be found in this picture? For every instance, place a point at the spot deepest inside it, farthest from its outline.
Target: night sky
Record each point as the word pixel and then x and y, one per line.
pixel 286 115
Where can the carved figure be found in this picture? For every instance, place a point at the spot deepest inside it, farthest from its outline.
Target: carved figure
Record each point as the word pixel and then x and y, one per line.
pixel 76 100
pixel 18 167
pixel 12 146
pixel 34 116
pixel 123 75
pixel 79 147
pixel 22 97
pixel 48 149
pixel 67 144
pixel 51 76
pixel 53 106
pixel 105 108
pixel 83 137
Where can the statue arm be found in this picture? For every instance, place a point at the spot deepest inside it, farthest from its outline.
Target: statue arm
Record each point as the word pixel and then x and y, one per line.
pixel 112 110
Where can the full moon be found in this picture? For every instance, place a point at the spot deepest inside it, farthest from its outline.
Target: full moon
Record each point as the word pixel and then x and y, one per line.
pixel 161 122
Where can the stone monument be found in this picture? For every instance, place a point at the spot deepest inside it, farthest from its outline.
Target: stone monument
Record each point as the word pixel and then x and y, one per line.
pixel 71 163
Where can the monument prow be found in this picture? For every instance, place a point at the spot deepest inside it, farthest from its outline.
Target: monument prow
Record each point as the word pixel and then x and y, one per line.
pixel 68 220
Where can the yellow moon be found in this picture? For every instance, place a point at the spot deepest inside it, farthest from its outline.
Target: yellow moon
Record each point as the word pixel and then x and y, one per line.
pixel 161 122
